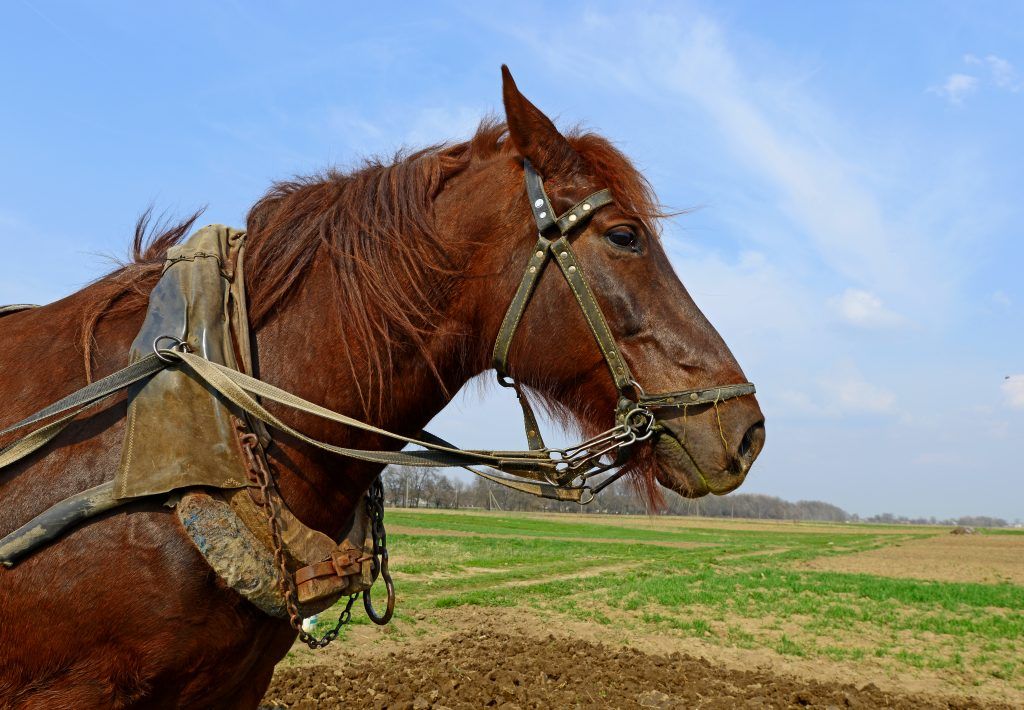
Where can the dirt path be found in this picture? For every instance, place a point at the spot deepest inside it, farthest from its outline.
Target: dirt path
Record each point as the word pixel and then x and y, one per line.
pixel 946 558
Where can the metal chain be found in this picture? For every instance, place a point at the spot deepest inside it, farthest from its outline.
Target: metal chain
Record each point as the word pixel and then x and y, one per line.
pixel 285 579
pixel 375 510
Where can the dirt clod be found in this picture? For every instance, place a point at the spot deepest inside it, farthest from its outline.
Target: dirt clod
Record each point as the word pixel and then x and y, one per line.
pixel 473 670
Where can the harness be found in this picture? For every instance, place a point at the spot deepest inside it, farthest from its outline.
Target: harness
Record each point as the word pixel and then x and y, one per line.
pixel 186 354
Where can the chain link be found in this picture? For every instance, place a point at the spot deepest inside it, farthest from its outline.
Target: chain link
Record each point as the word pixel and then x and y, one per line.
pixel 375 510
pixel 285 579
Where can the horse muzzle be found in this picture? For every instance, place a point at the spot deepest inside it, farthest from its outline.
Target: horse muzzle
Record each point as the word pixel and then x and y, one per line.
pixel 707 452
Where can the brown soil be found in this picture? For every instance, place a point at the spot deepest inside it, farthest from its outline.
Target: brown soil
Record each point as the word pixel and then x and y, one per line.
pixel 487 668
pixel 473 657
pixel 945 558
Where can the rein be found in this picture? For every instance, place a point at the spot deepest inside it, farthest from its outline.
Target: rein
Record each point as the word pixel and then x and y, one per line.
pixel 558 474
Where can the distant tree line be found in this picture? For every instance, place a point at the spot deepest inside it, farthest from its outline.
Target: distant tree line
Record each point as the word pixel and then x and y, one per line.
pixel 409 487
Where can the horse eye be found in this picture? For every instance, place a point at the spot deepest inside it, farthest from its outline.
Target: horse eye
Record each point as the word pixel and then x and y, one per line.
pixel 623 238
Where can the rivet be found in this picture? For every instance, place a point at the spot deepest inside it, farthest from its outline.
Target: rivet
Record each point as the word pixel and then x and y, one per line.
pixel 586 206
pixel 564 255
pixel 573 218
pixel 542 215
pixel 532 432
pixel 538 203
pixel 694 396
pixel 533 269
pixel 572 269
pixel 540 255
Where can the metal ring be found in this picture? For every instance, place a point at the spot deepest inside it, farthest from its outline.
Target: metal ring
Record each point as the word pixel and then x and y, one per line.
pixel 179 345
pixel 587 491
pixel 636 385
pixel 646 426
pixel 389 610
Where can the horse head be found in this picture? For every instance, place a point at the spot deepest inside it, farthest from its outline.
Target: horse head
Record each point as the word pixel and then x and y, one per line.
pixel 664 338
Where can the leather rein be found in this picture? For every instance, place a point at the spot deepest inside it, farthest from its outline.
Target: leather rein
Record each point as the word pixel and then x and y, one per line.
pixel 558 474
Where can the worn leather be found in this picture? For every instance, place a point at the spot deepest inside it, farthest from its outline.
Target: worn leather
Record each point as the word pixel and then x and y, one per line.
pixel 50 524
pixel 178 434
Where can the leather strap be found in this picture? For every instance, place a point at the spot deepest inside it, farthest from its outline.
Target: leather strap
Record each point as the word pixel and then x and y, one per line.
pixel 534 268
pixel 567 262
pixel 690 398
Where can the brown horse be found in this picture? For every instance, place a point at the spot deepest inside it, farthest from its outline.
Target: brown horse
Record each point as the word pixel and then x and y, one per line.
pixel 377 293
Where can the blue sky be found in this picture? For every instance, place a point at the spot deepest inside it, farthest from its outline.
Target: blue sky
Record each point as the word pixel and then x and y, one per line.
pixel 857 169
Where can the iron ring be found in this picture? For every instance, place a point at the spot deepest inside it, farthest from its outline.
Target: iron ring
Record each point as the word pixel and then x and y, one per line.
pixel 179 346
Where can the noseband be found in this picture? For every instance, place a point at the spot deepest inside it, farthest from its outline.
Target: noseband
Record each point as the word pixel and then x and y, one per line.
pixel 634 413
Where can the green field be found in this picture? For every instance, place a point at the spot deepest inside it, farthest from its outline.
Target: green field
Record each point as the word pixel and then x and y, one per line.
pixel 724 584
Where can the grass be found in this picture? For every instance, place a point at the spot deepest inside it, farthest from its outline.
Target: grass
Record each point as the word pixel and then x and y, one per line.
pixel 726 586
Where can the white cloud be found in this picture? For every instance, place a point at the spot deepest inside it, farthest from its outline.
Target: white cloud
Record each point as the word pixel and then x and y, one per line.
pixel 1002 72
pixel 864 308
pixel 956 87
pixel 851 393
pixel 1001 298
pixel 1013 390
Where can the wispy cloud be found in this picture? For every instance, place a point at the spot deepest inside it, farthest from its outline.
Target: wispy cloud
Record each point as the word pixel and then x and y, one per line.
pixel 995 71
pixel 1002 73
pixel 956 88
pixel 852 393
pixel 864 309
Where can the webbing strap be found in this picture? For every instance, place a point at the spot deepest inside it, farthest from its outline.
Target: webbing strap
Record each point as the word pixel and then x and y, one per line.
pixel 95 391
pixel 71 406
pixel 240 388
pixel 540 489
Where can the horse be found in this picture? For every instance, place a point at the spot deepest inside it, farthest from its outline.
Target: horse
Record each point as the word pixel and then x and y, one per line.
pixel 378 293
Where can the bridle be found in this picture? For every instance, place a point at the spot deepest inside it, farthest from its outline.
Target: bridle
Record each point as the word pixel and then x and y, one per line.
pixel 634 414
pixel 559 474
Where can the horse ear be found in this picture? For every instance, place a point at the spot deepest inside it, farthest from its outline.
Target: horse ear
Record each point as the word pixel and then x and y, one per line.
pixel 532 133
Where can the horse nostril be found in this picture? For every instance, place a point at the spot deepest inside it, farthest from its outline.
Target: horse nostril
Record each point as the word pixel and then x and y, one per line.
pixel 750 445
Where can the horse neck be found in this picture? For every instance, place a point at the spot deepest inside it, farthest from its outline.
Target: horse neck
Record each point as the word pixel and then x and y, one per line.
pixel 303 349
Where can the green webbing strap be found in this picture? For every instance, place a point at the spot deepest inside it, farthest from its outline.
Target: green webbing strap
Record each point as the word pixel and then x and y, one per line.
pixel 71 406
pixel 239 389
pixel 539 489
pixel 99 389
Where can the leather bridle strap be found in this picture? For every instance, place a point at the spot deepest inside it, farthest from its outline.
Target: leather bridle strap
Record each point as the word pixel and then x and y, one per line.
pixel 694 397
pixel 543 251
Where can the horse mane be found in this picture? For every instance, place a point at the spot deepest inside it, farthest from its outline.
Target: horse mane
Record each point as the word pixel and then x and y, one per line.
pixel 392 271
